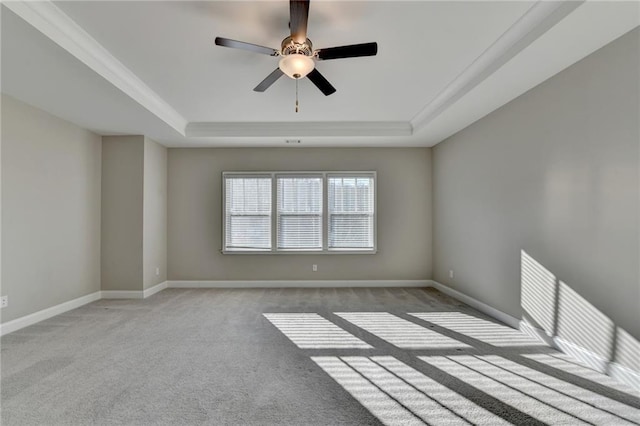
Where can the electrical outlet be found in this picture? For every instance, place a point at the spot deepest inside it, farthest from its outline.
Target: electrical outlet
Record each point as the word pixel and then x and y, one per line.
pixel 157 271
pixel 451 273
pixel 4 301
pixel 314 268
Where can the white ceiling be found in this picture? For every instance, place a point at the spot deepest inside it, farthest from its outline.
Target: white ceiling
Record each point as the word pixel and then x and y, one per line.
pixel 151 67
pixel 175 55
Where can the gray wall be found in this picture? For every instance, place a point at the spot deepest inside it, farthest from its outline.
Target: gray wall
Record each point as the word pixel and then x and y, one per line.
pixel 51 210
pixel 122 212
pixel 155 213
pixel 195 215
pixel 542 196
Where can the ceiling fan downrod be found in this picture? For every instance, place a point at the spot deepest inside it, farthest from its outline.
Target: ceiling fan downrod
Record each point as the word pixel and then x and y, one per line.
pixel 297 109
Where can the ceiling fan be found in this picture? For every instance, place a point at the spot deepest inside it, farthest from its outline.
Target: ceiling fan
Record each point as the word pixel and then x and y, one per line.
pixel 298 58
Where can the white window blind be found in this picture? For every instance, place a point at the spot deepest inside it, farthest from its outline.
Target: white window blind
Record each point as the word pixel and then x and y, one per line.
pixel 247 213
pixel 299 212
pixel 351 212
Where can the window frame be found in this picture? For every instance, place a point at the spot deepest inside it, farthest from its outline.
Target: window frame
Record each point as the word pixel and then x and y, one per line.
pixel 279 214
pixel 329 214
pixel 325 212
pixel 224 212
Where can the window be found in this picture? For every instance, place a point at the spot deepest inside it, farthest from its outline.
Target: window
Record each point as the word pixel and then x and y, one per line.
pixel 299 212
pixel 350 212
pixel 248 213
pixel 317 212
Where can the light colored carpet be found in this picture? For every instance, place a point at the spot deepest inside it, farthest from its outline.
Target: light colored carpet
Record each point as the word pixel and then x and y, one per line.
pixel 295 357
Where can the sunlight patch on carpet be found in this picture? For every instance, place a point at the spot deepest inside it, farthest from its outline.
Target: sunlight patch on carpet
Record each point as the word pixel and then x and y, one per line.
pixel 400 332
pixel 311 331
pixel 486 331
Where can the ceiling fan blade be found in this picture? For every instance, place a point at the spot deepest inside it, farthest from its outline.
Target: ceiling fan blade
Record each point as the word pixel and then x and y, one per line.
pixel 227 42
pixel 321 82
pixel 298 18
pixel 351 51
pixel 267 82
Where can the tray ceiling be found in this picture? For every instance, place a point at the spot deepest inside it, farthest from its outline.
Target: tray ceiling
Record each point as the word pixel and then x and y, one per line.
pixel 151 67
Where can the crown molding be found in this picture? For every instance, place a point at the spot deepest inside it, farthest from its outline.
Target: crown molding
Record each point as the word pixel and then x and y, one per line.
pixel 293 129
pixel 47 18
pixel 535 22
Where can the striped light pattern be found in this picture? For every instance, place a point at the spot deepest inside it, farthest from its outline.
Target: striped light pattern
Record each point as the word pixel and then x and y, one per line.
pixel 549 400
pixel 311 331
pixel 400 332
pixel 479 329
pixel 569 364
pixel 380 404
pixel 398 394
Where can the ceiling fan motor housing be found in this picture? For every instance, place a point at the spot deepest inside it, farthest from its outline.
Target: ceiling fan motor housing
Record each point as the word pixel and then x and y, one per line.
pixel 289 47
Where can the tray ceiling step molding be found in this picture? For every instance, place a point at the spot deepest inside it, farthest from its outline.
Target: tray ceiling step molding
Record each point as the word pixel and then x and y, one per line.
pixel 47 18
pixel 294 129
pixel 542 16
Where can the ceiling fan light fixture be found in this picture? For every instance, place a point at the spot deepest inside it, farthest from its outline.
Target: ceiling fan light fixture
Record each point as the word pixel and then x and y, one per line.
pixel 296 65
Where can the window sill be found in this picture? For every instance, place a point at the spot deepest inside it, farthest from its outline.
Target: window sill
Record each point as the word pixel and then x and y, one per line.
pixel 297 252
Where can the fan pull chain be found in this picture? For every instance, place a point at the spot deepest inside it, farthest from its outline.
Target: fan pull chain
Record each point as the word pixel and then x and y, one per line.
pixel 297 109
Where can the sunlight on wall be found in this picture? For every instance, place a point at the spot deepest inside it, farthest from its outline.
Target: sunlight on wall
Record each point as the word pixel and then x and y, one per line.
pixel 311 331
pixel 577 327
pixel 581 323
pixel 538 292
pixel 399 332
pixel 627 351
pixel 486 331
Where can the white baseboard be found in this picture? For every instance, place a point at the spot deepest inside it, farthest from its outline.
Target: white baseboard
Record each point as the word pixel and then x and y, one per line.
pixel 535 332
pixel 155 289
pixel 44 314
pixel 134 294
pixel 122 294
pixel 625 375
pixel 47 313
pixel 27 320
pixel 482 307
pixel 298 284
pixel 585 356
